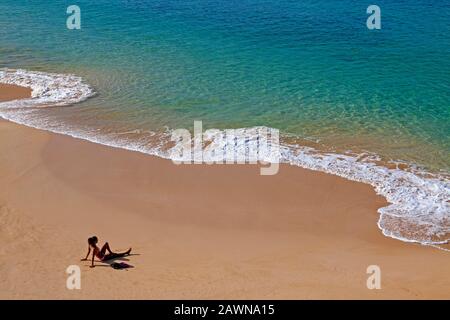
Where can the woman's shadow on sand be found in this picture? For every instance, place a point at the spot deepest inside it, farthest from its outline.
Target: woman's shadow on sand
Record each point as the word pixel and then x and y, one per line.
pixel 118 263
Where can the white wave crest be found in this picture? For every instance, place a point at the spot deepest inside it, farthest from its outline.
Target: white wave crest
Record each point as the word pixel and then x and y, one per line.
pixel 419 209
pixel 48 89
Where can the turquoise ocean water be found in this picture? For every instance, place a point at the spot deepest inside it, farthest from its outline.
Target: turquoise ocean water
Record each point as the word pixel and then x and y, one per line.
pixel 310 68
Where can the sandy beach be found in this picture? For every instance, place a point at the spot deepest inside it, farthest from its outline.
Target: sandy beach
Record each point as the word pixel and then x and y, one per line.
pixel 197 231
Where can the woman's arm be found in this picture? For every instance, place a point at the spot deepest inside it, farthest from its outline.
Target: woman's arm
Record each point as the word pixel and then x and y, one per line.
pixel 93 256
pixel 87 256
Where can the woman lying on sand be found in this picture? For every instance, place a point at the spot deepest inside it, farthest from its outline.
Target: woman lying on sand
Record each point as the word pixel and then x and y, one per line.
pixel 101 253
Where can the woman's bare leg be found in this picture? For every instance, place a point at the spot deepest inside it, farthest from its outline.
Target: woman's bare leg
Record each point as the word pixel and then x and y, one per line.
pixel 106 248
pixel 113 255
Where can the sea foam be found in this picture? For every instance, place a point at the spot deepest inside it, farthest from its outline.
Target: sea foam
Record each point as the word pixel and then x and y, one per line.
pixel 48 89
pixel 419 202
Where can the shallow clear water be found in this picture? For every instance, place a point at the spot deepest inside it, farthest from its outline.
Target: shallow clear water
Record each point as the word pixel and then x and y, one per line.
pixel 309 68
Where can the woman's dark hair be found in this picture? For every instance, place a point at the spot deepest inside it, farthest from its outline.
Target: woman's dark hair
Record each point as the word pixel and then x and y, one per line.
pixel 93 240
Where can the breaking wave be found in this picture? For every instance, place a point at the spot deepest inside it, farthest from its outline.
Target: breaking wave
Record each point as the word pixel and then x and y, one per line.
pixel 48 89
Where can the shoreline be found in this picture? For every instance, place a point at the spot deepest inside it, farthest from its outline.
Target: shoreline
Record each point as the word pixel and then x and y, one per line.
pixel 198 231
pixel 418 200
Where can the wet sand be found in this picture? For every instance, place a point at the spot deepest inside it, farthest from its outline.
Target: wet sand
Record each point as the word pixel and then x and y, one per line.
pixel 12 92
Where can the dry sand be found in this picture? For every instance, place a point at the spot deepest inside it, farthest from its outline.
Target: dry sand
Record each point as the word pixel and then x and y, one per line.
pixel 197 231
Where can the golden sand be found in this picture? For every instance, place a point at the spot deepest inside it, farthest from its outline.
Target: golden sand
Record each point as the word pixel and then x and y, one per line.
pixel 197 231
